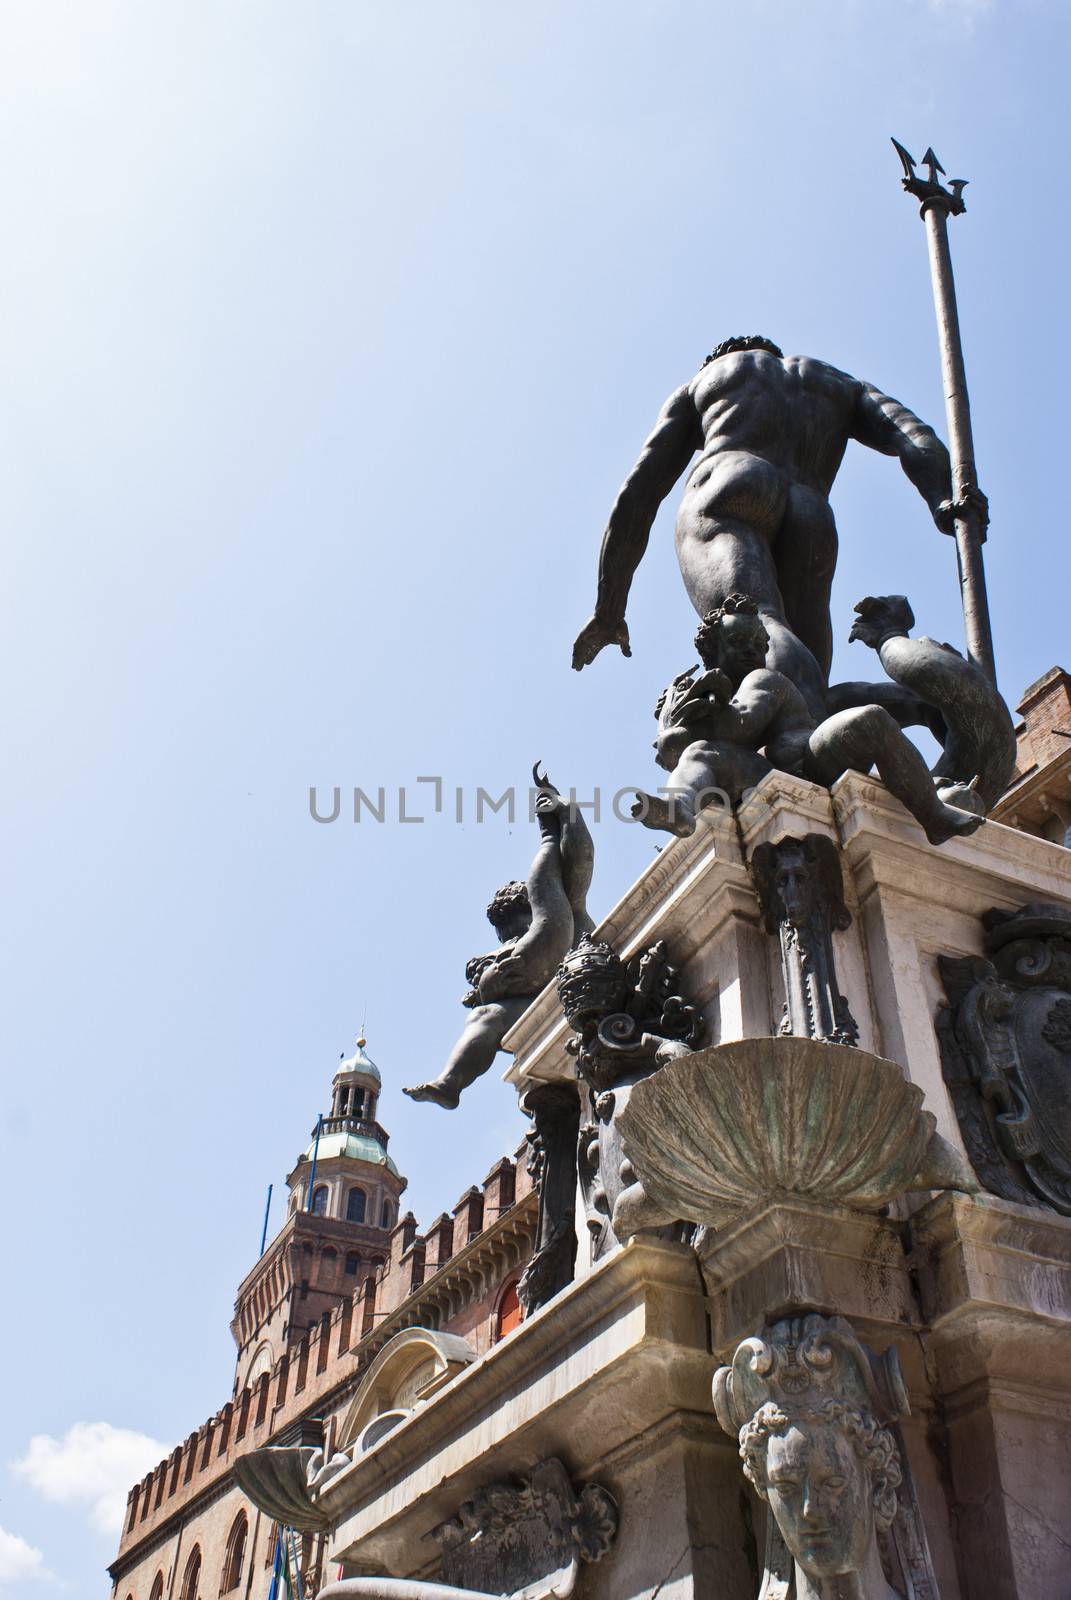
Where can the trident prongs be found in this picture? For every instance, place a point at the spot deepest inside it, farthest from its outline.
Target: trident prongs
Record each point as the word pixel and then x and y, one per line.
pixel 930 191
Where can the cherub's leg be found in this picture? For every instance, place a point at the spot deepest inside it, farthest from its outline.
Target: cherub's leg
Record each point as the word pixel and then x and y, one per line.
pixel 536 954
pixel 706 774
pixel 473 1053
pixel 870 737
pixel 578 860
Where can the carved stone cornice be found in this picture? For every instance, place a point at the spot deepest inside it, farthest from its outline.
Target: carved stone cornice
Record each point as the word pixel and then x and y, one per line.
pixel 616 1323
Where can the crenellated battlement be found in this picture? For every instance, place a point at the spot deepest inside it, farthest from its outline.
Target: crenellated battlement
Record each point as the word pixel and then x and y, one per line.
pixel 427 1280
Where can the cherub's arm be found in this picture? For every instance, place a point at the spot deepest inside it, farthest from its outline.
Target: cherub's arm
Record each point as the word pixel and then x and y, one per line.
pixel 752 711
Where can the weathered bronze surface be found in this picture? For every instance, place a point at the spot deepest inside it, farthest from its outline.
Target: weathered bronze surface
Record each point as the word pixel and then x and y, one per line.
pixel 754 1120
pixel 771 431
pixel 713 728
pixel 628 1021
pixel 555 1112
pixel 536 921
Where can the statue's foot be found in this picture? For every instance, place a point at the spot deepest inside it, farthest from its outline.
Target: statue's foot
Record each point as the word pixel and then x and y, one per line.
pixel 667 816
pixel 449 1099
pixel 952 823
pixel 963 796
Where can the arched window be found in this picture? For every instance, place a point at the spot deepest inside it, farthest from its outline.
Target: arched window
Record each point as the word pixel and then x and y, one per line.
pixel 293 1202
pixel 388 1214
pixel 157 1590
pixel 509 1312
pixel 356 1201
pixel 319 1200
pixel 191 1583
pixel 235 1557
pixel 353 1264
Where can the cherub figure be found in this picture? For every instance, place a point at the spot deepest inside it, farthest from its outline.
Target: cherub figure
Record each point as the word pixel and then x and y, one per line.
pixel 712 729
pixel 536 922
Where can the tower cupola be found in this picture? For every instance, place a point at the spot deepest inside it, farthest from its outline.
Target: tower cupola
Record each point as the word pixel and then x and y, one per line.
pixel 345 1170
pixel 356 1086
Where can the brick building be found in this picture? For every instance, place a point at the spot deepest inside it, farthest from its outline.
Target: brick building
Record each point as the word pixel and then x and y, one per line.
pixel 350 1318
pixel 1039 796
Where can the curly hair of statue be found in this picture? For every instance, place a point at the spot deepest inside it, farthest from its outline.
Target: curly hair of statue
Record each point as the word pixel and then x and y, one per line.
pixel 741 342
pixel 504 902
pixel 706 635
pixel 873 1444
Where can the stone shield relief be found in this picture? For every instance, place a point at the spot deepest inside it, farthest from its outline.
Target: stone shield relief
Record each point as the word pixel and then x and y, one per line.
pixel 1005 1038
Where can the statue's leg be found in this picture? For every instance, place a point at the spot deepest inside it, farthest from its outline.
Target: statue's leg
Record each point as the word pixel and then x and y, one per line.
pixel 538 952
pixel 578 861
pixel 474 1052
pixel 805 552
pixel 706 774
pixel 720 556
pixel 870 737
pixel 909 709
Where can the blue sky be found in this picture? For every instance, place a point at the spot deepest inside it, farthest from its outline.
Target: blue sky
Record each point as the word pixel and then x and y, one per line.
pixel 329 332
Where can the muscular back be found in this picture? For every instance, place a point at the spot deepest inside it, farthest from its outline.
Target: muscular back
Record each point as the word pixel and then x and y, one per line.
pixel 770 432
pixel 791 412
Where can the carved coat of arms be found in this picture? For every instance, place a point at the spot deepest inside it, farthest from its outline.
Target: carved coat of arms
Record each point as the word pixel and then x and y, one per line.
pixel 1005 1039
pixel 527 1533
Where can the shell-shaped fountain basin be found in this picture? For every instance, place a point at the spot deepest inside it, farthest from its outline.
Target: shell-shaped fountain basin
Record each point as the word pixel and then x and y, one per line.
pixel 723 1129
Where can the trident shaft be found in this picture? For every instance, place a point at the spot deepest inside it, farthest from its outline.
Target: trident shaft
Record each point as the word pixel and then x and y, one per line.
pixel 969 511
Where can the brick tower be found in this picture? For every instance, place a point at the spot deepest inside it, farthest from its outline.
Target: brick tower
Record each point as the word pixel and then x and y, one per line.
pixel 1039 796
pixel 343 1205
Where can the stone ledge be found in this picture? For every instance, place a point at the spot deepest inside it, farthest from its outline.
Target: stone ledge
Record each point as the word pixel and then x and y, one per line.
pixel 995 1282
pixel 792 1255
pixel 885 846
pixel 975 1253
pixel 611 1356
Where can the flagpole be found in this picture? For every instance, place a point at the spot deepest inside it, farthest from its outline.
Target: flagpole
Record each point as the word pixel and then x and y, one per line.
pixel 273 1592
pixel 315 1158
pixel 264 1230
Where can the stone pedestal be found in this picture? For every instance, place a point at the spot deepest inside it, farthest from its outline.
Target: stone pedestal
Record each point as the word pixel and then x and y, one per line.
pixel 613 1375
pixel 995 1291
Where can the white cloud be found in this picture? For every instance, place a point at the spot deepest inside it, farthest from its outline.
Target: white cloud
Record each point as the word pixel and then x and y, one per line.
pixel 94 1466
pixel 19 1560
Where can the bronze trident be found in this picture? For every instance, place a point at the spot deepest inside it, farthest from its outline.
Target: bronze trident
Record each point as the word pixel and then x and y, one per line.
pixel 969 511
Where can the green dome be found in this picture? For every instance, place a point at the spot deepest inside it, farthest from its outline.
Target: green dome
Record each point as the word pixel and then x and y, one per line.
pixel 360 1062
pixel 353 1146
